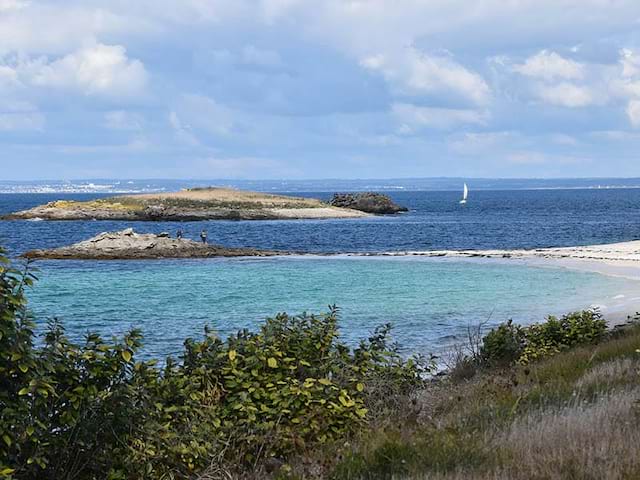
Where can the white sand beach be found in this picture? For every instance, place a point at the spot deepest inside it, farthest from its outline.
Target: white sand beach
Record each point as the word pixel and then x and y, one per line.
pixel 615 258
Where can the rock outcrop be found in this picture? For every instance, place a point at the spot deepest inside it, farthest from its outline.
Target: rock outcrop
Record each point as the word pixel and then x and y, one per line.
pixel 369 202
pixel 127 244
pixel 188 205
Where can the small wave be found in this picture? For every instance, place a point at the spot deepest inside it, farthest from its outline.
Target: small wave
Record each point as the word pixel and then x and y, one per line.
pixel 35 219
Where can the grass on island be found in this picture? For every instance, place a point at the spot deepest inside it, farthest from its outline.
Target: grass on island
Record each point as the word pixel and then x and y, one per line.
pixel 199 198
pixel 555 400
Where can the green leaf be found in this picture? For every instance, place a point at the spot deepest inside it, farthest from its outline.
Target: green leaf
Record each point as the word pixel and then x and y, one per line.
pixel 126 355
pixel 30 430
pixel 23 368
pixel 232 355
pixel 272 362
pixel 6 472
pixel 7 439
pixel 360 387
pixel 23 391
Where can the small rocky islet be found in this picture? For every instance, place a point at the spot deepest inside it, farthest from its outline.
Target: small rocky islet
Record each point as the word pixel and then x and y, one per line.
pixel 369 202
pixel 129 245
pixel 211 203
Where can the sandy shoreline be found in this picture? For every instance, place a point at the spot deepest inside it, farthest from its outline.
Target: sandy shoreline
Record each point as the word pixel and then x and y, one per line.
pixel 623 254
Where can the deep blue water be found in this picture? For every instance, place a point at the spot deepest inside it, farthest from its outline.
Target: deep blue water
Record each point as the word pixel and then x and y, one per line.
pixel 429 301
pixel 492 219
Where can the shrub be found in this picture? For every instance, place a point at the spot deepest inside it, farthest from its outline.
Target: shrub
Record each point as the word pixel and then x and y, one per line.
pixel 503 345
pixel 511 343
pixel 92 411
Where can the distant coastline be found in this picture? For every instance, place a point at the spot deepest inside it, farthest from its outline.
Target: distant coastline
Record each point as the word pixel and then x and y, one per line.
pixel 130 186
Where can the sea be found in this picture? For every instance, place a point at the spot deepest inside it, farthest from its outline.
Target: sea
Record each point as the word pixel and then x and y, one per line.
pixel 431 302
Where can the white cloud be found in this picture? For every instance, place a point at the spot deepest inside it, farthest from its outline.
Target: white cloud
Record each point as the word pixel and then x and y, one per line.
pixel 413 72
pixel 21 121
pixel 198 112
pixel 412 117
pixel 182 132
pixel 20 116
pixel 123 120
pixel 96 70
pixel 538 158
pixel 57 28
pixel 566 94
pixel 564 139
pixel 9 5
pixel 630 61
pixel 615 135
pixel 198 121
pixel 550 66
pixel 473 143
pixel 633 111
pixel 136 144
pixel 238 167
pixel 8 77
pixel 252 55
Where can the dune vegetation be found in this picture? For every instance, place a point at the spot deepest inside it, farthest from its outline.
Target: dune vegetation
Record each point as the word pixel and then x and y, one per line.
pixel 290 400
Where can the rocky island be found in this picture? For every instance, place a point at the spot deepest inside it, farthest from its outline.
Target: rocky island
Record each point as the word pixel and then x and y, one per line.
pixel 190 205
pixel 369 202
pixel 129 245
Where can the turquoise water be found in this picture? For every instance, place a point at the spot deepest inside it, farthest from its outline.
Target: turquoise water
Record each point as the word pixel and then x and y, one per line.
pixel 429 301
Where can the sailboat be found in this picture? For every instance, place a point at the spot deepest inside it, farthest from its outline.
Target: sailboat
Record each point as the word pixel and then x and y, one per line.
pixel 465 194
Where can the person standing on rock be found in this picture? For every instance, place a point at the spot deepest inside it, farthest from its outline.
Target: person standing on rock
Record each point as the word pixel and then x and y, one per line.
pixel 203 236
pixel 179 234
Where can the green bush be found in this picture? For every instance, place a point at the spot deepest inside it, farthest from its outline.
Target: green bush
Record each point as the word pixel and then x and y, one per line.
pixel 557 335
pixel 503 345
pixel 92 411
pixel 510 343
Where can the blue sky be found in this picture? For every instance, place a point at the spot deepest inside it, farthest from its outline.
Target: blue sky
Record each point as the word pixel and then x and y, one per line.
pixel 266 89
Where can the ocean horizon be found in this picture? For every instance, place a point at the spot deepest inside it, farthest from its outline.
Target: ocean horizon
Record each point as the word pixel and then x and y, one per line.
pixel 125 185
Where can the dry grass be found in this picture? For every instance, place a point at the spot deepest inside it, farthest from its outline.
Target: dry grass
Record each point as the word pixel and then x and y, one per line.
pixel 100 204
pixel 599 440
pixel 228 195
pixel 573 416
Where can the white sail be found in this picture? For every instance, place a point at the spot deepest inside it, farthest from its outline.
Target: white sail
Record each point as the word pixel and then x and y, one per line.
pixel 465 194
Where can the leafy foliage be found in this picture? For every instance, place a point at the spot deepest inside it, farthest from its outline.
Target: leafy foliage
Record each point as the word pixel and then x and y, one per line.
pixel 503 345
pixel 92 411
pixel 510 343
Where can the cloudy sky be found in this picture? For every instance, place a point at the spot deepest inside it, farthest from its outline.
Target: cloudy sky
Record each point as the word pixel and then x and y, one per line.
pixel 265 89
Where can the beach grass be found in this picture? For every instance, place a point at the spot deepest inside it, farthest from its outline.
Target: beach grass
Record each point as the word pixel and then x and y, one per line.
pixel 575 415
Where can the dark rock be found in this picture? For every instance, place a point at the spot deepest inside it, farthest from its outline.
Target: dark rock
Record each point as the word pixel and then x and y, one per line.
pixel 369 202
pixel 273 464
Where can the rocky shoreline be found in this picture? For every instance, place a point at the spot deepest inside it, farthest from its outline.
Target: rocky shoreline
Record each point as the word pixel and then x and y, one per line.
pixel 193 205
pixel 129 245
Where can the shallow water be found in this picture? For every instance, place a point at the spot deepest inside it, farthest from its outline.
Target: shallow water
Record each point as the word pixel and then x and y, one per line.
pixel 429 301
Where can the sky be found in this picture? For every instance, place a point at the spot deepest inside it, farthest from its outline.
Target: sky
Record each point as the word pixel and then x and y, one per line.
pixel 300 89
